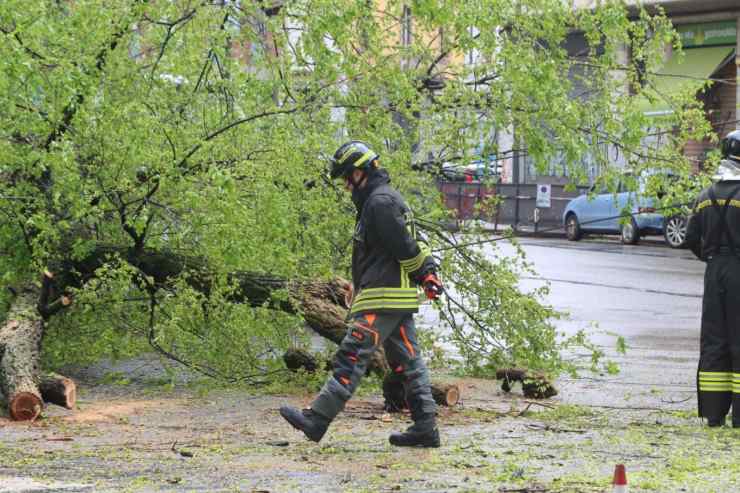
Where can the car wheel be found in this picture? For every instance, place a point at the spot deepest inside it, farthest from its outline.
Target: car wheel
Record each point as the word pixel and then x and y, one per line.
pixel 572 228
pixel 674 231
pixel 630 233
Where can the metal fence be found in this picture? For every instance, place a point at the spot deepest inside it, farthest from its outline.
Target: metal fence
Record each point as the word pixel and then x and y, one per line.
pixel 507 204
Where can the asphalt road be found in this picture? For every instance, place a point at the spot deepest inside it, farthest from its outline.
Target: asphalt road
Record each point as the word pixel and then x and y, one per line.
pixel 645 293
pixel 649 294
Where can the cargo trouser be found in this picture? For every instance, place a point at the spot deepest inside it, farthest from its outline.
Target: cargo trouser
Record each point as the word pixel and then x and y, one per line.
pixel 718 379
pixel 368 331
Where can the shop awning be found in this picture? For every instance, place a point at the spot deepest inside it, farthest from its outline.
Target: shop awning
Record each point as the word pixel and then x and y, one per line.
pixel 681 72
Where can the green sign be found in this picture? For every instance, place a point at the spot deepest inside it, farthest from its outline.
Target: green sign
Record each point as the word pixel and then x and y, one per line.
pixel 708 34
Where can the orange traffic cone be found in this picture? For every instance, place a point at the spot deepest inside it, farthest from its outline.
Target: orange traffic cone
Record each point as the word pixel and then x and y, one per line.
pixel 619 483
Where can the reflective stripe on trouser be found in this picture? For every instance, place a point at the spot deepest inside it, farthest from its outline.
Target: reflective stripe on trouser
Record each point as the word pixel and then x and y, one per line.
pixel 718 382
pixel 367 331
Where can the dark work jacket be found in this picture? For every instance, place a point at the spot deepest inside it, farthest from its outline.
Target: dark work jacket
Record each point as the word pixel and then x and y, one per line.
pixel 705 235
pixel 387 261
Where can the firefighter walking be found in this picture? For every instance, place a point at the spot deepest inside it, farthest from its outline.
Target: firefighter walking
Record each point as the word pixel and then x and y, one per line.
pixel 713 234
pixel 387 265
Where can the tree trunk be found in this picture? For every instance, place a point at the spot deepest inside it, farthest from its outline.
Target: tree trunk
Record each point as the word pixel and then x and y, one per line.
pixel 322 304
pixel 59 390
pixel 20 340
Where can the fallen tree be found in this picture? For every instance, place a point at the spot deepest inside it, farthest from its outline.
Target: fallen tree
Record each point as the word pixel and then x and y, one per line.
pixel 322 304
pixel 23 386
pixel 154 137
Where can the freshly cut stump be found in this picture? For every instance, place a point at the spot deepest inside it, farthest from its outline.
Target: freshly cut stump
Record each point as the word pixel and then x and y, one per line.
pixel 25 406
pixel 446 395
pixel 59 390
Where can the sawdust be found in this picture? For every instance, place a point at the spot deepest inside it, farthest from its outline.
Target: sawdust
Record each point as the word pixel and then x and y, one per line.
pixel 113 411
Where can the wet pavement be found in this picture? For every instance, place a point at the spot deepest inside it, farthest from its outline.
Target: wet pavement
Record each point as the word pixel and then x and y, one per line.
pixel 649 294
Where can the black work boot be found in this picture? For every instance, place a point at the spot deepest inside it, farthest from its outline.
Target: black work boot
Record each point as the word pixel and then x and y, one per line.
pixel 420 434
pixel 715 422
pixel 311 423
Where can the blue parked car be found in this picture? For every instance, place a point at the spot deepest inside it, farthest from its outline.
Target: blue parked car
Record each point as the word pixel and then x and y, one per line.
pixel 600 214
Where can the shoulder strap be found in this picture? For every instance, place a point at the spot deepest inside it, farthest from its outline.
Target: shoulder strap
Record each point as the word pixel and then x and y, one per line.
pixel 723 230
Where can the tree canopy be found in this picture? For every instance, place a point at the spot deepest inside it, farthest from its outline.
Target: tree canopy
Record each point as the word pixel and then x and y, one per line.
pixel 201 129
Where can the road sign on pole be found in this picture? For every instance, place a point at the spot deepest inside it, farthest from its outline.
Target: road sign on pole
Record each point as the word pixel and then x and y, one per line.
pixel 543 195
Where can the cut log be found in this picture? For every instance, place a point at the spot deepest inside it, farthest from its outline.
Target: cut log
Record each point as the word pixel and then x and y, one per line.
pixel 534 385
pixel 59 390
pixel 20 340
pixel 444 394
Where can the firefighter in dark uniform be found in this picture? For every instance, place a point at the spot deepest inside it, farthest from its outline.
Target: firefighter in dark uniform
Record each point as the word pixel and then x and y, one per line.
pixel 387 266
pixel 713 234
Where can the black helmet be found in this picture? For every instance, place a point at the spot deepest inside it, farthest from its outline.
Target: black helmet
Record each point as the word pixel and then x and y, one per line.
pixel 731 146
pixel 351 156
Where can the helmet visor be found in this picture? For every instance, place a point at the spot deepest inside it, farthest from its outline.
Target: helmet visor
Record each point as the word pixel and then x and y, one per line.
pixel 731 148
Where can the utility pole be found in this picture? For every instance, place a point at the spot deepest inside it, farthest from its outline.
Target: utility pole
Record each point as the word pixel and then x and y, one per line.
pixel 737 72
pixel 516 181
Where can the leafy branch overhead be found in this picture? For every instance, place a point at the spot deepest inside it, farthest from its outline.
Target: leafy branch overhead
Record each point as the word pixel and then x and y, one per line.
pixel 198 130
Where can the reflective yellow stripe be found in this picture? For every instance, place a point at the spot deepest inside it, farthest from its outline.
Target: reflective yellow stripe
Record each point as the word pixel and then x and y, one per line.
pixel 714 384
pixel 347 154
pixel 387 303
pixel 393 293
pixel 386 298
pixel 384 305
pixel 406 299
pixel 715 387
pixel 723 375
pixel 707 203
pixel 364 158
pixel 713 379
pixel 385 290
pixel 415 263
pixel 405 283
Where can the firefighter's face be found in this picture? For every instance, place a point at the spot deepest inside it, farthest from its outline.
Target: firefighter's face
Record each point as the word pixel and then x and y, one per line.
pixel 354 180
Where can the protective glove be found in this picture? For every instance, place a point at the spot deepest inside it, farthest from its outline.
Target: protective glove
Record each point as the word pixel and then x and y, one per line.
pixel 432 286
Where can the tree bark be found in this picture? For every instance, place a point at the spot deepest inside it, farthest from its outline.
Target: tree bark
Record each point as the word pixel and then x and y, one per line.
pixel 59 390
pixel 20 340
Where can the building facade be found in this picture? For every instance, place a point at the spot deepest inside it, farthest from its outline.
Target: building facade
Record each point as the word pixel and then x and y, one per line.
pixel 710 38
